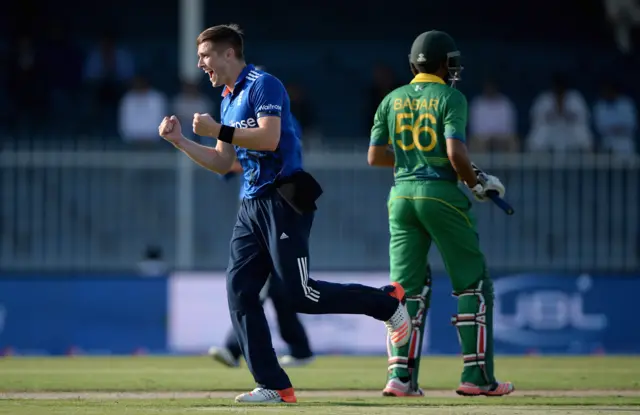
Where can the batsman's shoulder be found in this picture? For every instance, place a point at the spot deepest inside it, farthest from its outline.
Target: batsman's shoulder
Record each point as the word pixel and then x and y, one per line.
pixel 388 97
pixel 395 94
pixel 455 97
pixel 456 94
pixel 383 106
pixel 400 91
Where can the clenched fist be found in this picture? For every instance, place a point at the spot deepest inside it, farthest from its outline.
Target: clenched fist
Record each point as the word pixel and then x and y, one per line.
pixel 204 125
pixel 171 130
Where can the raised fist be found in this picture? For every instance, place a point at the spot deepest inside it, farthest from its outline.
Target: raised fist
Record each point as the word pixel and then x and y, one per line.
pixel 170 129
pixel 204 125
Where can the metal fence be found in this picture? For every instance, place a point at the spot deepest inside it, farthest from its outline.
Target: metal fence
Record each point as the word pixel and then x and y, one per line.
pixel 99 210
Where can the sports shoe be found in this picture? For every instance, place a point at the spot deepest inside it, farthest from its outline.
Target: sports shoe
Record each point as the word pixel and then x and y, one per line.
pixel 290 361
pixel 262 395
pixel 399 325
pixel 496 389
pixel 397 388
pixel 224 356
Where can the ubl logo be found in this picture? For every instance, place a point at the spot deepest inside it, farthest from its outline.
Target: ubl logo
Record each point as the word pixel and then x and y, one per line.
pixel 542 311
pixel 550 310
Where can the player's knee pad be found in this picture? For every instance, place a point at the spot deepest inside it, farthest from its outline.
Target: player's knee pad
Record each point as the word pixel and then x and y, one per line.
pixel 418 307
pixel 472 321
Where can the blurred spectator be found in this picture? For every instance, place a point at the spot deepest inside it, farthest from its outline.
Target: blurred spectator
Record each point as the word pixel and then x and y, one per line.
pixel 189 101
pixel 301 107
pixel 615 119
pixel 623 15
pixel 141 111
pixel 65 77
pixel 560 120
pixel 152 263
pixel 492 121
pixel 26 86
pixel 108 71
pixel 384 81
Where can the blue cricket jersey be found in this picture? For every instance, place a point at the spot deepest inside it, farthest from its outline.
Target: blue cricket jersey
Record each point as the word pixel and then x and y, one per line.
pixel 258 94
pixel 298 130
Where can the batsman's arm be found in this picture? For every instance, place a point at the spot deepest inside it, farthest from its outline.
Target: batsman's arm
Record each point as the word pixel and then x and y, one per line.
pixel 455 123
pixel 379 154
pixel 459 158
pixel 219 159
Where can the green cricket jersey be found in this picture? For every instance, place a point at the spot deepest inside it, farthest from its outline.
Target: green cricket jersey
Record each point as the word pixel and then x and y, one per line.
pixel 416 119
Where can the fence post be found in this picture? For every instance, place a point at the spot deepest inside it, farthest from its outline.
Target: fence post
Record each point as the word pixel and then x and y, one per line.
pixel 184 211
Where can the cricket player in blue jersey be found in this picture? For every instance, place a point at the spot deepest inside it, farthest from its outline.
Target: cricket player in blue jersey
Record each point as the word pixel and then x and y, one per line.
pixel 271 234
pixel 291 328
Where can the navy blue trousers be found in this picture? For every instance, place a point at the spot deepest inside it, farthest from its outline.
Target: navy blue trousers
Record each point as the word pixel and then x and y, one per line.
pixel 270 238
pixel 291 329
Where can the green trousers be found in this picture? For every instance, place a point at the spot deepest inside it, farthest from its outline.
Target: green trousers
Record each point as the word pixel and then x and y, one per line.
pixel 422 212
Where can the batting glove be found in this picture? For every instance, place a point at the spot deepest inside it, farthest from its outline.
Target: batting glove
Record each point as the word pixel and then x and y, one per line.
pixel 487 183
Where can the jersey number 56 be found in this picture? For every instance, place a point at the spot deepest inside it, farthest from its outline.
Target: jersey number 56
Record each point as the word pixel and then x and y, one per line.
pixel 421 128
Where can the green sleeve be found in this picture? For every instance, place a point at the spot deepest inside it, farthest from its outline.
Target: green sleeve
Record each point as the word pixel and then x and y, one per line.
pixel 380 129
pixel 455 117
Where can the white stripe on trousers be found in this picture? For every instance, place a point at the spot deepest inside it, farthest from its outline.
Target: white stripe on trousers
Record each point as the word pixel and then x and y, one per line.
pixel 309 292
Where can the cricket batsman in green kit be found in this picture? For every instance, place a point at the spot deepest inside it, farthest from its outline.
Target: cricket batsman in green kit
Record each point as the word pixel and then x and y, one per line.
pixel 425 122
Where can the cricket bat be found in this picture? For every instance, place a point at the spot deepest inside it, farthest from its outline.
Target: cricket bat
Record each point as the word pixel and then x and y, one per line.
pixel 493 195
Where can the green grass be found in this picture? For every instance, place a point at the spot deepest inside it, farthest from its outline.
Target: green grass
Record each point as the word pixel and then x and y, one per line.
pixel 175 374
pixel 328 373
pixel 509 405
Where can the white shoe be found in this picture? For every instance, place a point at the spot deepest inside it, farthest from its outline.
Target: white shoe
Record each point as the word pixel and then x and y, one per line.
pixel 262 395
pixel 290 361
pixel 224 356
pixel 399 325
pixel 395 387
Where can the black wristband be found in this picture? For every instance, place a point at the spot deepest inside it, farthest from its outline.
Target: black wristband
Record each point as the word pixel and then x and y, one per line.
pixel 226 133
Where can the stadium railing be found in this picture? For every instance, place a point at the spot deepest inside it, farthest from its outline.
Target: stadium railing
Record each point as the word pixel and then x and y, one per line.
pixel 100 210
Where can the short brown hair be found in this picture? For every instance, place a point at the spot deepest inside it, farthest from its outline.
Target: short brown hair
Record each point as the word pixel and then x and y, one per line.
pixel 226 36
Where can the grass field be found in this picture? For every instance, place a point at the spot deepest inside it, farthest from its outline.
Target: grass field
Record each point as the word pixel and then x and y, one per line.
pixel 333 385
